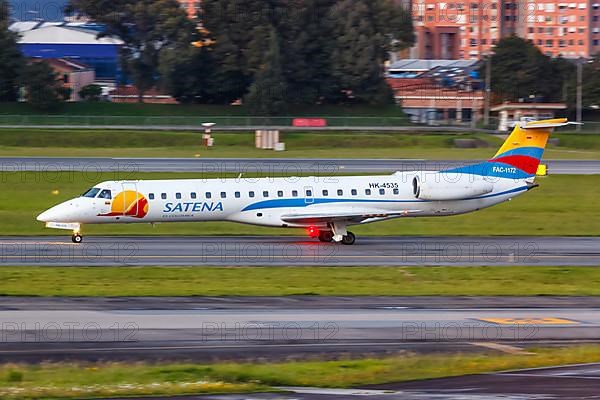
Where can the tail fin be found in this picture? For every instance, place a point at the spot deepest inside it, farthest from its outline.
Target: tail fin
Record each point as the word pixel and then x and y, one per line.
pixel 525 146
pixel 521 154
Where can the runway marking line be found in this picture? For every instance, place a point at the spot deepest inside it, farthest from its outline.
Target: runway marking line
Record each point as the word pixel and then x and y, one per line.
pixel 504 348
pixel 551 376
pixel 530 321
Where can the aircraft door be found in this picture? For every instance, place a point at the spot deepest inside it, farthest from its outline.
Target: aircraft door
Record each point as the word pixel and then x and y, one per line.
pixel 130 200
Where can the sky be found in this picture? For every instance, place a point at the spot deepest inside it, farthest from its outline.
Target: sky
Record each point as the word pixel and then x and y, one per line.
pixel 27 10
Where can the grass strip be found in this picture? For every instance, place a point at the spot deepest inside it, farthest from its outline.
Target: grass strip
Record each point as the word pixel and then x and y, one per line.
pixel 118 379
pixel 324 281
pixel 24 142
pixel 564 205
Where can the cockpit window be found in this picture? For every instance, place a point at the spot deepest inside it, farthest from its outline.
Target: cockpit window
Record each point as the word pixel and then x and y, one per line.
pixel 105 194
pixel 91 193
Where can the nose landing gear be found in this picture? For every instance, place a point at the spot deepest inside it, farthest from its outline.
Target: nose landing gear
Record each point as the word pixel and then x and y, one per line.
pixel 76 238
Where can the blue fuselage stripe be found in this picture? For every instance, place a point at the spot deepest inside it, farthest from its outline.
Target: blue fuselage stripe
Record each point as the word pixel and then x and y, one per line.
pixel 305 202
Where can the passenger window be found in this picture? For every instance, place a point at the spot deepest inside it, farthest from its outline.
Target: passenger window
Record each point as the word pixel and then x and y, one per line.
pixel 325 193
pixel 340 192
pixel 354 192
pixel 151 196
pixel 193 195
pixel 163 196
pixel 309 193
pixel 178 196
pixel 280 193
pixel 105 194
pixel 265 194
pixel 223 195
pixel 368 192
pixel 382 192
pixel 208 195
pixel 294 193
pixel 251 194
pixel 396 192
pixel 238 195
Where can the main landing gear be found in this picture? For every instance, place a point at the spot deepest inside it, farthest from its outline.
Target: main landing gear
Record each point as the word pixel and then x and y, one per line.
pixel 328 236
pixel 349 239
pixel 76 238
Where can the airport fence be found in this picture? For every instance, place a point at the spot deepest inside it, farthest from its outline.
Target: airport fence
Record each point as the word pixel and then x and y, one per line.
pixel 194 122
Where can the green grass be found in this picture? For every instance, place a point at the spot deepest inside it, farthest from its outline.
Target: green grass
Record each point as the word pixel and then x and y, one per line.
pixel 563 205
pixel 120 379
pixel 320 144
pixel 299 140
pixel 324 281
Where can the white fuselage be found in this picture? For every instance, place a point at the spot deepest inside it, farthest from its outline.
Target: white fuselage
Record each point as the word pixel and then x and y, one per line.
pixel 266 201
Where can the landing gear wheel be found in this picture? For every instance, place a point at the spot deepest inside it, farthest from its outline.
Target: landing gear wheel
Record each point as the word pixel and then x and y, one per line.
pixel 326 236
pixel 77 238
pixel 349 239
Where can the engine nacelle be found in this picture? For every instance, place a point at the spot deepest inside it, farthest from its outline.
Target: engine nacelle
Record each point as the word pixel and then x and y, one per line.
pixel 440 188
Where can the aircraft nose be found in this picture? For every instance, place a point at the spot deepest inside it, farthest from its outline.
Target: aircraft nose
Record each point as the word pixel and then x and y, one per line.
pixel 50 215
pixel 59 213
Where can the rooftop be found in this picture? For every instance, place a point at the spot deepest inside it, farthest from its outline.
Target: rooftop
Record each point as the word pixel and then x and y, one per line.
pixel 64 35
pixel 414 65
pixel 529 106
pixel 67 65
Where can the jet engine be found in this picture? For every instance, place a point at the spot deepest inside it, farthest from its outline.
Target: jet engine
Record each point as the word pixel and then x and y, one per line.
pixel 437 187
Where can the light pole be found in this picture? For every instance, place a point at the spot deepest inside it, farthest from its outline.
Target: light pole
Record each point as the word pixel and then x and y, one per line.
pixel 579 93
pixel 488 90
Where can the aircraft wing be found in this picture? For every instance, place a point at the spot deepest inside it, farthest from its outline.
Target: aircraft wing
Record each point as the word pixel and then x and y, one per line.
pixel 348 216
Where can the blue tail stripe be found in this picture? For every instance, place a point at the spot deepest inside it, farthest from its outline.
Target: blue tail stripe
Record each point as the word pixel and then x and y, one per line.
pixel 491 169
pixel 534 152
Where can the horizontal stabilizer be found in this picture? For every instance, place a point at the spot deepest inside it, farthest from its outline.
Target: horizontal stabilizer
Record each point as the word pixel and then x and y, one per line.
pixel 547 125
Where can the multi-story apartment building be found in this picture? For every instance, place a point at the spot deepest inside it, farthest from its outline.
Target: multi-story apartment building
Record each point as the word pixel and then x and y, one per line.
pixel 468 29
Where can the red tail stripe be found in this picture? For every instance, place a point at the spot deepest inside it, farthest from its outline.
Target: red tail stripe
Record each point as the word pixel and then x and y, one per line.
pixel 524 163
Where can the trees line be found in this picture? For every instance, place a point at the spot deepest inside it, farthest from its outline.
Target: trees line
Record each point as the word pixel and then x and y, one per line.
pixel 275 54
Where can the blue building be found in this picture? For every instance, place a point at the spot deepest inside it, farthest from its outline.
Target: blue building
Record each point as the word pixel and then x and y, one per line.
pixel 73 41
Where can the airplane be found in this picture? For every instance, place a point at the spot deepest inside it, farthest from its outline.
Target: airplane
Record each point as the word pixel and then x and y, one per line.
pixel 326 208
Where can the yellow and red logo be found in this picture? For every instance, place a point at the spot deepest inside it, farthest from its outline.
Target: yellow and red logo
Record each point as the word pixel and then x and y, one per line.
pixel 128 204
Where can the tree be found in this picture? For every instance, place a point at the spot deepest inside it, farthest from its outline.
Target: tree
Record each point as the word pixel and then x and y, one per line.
pixel 236 38
pixel 42 86
pixel 11 60
pixel 91 92
pixel 521 71
pixel 267 94
pixel 237 29
pixel 591 82
pixel 147 27
pixel 359 54
pixel 186 74
pixel 306 57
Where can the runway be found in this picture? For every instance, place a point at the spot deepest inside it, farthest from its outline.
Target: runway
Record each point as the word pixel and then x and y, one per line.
pixel 265 166
pixel 289 251
pixel 204 330
pixel 572 382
